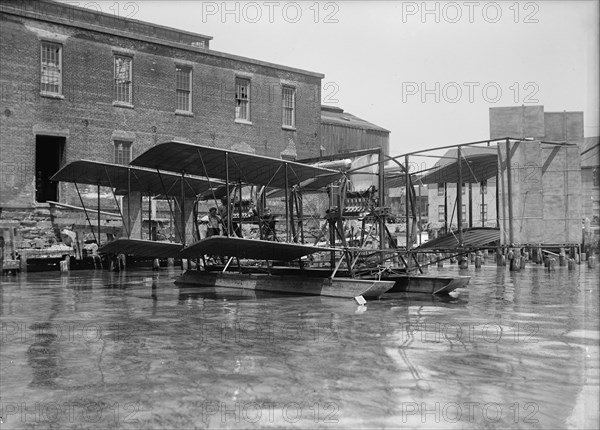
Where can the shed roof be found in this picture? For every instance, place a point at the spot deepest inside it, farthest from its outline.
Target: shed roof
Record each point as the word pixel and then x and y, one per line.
pixel 477 164
pixel 337 116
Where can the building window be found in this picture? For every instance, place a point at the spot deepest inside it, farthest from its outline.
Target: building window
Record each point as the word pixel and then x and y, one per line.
pixel 122 152
pixel 440 189
pixel 288 103
pixel 123 80
pixel 242 99
pixel 184 88
pixel 484 212
pixel 484 186
pixel 51 63
pixel 596 177
pixel 441 214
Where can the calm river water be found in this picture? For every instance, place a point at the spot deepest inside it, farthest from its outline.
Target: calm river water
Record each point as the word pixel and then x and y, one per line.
pixel 132 350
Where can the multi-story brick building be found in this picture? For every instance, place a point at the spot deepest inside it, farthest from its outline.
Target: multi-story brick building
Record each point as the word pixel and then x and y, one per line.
pixel 80 84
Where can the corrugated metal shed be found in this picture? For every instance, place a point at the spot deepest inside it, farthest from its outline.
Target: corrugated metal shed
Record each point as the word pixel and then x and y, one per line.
pixel 342 132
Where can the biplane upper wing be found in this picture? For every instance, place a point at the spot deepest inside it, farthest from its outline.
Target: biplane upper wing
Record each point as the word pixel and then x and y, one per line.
pixel 125 178
pixel 224 164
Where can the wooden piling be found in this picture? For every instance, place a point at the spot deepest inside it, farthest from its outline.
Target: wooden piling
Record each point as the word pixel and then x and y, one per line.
pixel 562 257
pixel 515 260
pixel 64 265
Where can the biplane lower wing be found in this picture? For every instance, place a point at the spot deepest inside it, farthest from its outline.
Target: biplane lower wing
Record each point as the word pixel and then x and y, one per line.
pixel 141 248
pixel 475 237
pixel 250 249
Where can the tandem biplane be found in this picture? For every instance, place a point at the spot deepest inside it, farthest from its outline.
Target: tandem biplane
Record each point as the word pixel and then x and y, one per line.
pixel 332 265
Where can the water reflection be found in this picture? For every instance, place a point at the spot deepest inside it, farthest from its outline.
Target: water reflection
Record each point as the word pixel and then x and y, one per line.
pixel 514 350
pixel 42 355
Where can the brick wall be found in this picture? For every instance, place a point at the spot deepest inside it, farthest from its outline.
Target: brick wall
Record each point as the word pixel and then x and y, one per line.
pixel 89 121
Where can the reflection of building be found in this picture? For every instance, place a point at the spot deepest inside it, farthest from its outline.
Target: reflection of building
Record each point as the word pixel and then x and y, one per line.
pixel 79 84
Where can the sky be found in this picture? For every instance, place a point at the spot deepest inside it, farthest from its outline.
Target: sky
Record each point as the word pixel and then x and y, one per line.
pixel 426 71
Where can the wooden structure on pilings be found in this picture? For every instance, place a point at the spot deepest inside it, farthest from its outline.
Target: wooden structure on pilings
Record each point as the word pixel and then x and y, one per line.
pixel 537 195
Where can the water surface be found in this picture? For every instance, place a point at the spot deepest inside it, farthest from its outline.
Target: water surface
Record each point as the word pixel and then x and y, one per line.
pixel 132 350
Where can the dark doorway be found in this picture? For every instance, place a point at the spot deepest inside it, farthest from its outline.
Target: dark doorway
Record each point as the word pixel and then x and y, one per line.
pixel 48 159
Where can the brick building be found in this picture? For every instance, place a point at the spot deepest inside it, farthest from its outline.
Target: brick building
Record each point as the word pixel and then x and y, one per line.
pixel 79 84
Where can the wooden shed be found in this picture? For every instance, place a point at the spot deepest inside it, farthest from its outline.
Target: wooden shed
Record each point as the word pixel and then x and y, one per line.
pixel 540 193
